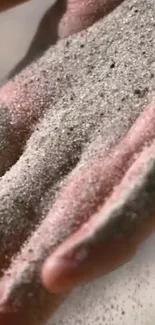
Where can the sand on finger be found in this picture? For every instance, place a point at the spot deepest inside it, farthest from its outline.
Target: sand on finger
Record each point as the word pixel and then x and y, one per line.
pixel 105 77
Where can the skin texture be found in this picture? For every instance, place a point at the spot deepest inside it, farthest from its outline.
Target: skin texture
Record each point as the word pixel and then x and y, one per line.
pixel 107 231
pixel 62 20
pixel 88 195
pixel 110 234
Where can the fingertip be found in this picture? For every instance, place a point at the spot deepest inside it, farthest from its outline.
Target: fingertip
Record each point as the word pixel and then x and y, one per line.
pixel 55 274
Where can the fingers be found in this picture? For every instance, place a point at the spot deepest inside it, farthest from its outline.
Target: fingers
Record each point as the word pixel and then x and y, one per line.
pixel 40 167
pixel 23 280
pixel 66 131
pixel 97 248
pixel 35 92
pixel 81 14
pixel 7 4
pixel 18 108
pixel 111 233
pixel 23 101
pixel 73 207
pixel 78 14
pixel 17 116
pixel 61 19
pixel 43 31
pixel 112 236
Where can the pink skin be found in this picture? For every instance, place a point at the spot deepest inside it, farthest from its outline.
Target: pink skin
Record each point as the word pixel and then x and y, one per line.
pixel 96 249
pixel 74 222
pixel 83 13
pixel 76 260
pixel 7 4
pixel 66 266
pixel 63 19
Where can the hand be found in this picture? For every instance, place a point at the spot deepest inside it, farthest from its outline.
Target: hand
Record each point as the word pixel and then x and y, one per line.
pixel 117 227
pixel 62 158
pixel 56 19
pixel 7 4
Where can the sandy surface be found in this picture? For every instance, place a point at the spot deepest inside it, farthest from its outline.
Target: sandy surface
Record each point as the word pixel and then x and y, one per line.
pixel 92 87
pixel 127 38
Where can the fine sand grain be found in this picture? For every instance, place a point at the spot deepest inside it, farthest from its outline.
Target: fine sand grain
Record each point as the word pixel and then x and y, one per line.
pixel 88 91
pixel 91 87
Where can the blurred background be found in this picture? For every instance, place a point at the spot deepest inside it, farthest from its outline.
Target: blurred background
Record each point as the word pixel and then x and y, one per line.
pixel 18 27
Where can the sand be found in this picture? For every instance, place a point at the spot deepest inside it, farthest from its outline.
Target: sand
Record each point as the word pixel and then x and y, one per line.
pixel 90 89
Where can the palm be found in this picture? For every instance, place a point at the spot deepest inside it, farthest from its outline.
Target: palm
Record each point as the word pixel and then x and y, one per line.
pixel 59 127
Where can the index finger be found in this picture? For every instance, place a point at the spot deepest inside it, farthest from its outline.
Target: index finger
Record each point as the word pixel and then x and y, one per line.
pixel 7 4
